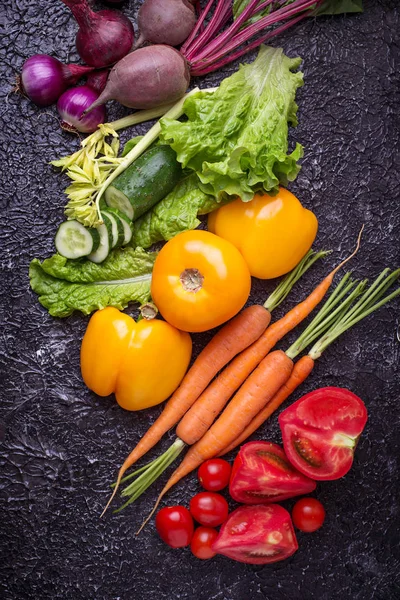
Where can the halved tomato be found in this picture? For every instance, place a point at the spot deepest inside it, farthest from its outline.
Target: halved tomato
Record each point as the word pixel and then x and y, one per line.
pixel 321 430
pixel 262 473
pixel 257 535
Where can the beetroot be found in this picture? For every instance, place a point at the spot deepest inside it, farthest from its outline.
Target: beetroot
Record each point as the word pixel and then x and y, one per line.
pixel 146 78
pixel 165 22
pixel 103 37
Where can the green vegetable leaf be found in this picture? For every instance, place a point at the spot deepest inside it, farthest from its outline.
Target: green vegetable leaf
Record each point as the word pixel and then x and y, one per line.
pixel 130 144
pixel 236 139
pixel 239 6
pixel 328 7
pixel 338 7
pixel 177 212
pixel 66 285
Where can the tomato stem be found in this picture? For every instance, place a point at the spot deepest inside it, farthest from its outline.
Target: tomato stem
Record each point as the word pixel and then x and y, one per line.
pixel 191 280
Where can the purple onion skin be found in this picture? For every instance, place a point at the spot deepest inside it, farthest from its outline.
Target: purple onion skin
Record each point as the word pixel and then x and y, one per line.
pixel 97 80
pixel 147 78
pixel 103 37
pixel 44 78
pixel 73 103
pixel 165 22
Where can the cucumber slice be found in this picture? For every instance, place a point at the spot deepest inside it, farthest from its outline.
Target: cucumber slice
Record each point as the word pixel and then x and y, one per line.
pixel 117 229
pixel 104 246
pixel 118 200
pixel 74 240
pixel 126 224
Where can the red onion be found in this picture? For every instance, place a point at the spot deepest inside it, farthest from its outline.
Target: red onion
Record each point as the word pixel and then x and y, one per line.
pixel 97 80
pixel 71 105
pixel 104 37
pixel 44 78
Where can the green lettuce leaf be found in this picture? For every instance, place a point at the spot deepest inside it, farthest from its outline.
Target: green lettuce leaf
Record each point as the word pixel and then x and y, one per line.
pixel 236 138
pixel 177 212
pixel 66 285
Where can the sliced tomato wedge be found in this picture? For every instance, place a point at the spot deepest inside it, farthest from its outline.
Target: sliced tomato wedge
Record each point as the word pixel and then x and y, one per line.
pixel 321 430
pixel 262 473
pixel 257 535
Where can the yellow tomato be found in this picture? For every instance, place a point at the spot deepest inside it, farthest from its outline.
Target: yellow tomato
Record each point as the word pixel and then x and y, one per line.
pixel 142 363
pixel 199 281
pixel 273 233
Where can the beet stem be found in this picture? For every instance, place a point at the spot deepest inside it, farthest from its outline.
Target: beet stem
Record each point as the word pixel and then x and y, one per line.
pixel 197 27
pixel 214 64
pixel 247 33
pixel 221 15
pixel 231 31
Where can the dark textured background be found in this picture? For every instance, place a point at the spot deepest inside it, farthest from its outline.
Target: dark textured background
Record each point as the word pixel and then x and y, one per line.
pixel 61 445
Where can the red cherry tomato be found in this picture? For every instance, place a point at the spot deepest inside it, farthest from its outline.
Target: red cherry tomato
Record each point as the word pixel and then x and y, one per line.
pixel 209 509
pixel 214 474
pixel 308 514
pixel 202 541
pixel 175 526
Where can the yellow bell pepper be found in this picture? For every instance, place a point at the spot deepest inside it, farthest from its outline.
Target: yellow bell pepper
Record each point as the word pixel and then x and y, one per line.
pixel 273 233
pixel 142 363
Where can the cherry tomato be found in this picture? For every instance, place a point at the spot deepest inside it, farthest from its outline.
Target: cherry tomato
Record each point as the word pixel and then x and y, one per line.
pixel 175 526
pixel 202 541
pixel 308 514
pixel 214 474
pixel 209 509
pixel 199 281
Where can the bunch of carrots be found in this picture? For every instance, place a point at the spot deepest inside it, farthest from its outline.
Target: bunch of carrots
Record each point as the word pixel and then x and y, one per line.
pixel 255 380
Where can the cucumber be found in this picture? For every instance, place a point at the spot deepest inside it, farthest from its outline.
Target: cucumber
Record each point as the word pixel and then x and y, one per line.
pixel 126 224
pixel 74 240
pixel 104 246
pixel 113 223
pixel 145 182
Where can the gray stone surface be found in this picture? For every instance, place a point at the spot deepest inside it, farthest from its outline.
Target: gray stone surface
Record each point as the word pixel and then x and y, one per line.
pixel 61 444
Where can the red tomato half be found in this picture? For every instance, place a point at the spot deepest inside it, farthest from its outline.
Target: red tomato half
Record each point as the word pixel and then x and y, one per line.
pixel 175 526
pixel 257 535
pixel 214 474
pixel 202 541
pixel 308 514
pixel 321 430
pixel 262 473
pixel 208 508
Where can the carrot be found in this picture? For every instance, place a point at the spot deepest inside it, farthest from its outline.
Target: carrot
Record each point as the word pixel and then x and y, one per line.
pixel 236 335
pixel 255 394
pixel 258 389
pixel 301 371
pixel 199 418
pixel 233 338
